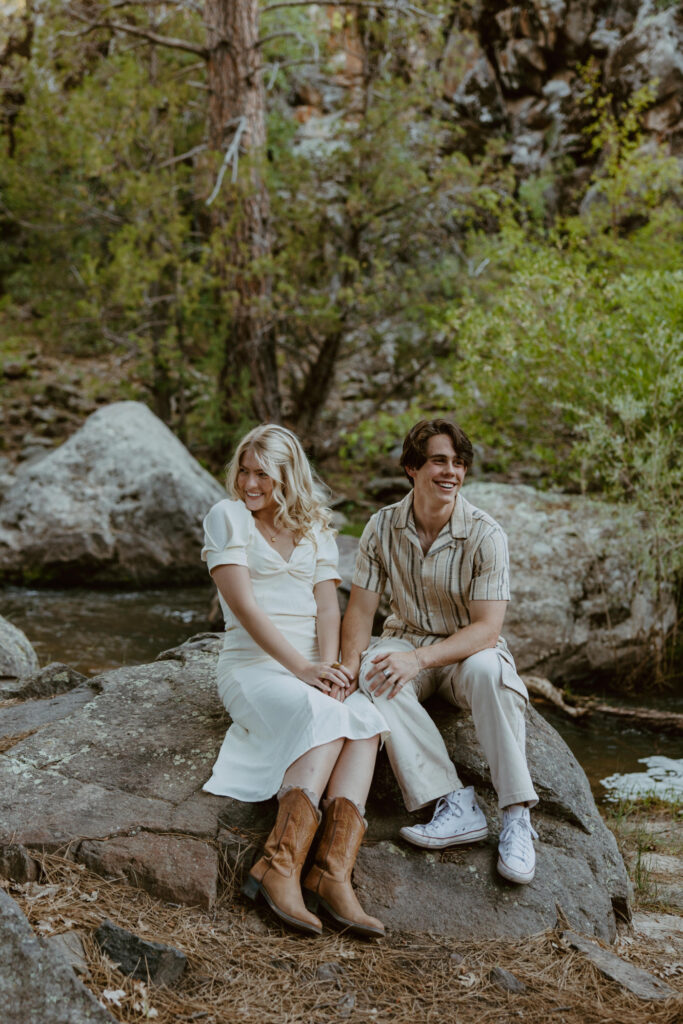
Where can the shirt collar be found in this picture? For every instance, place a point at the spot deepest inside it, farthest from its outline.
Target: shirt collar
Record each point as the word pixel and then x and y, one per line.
pixel 459 525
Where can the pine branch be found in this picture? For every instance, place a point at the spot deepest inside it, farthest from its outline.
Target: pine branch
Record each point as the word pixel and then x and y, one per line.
pixel 401 8
pixel 144 33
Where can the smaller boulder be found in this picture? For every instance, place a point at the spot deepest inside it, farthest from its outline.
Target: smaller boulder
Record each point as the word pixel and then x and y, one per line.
pixel 501 978
pixel 49 681
pixel 138 958
pixel 174 868
pixel 16 864
pixel 17 657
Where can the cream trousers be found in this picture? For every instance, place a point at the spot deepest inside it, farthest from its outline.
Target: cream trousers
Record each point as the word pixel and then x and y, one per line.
pixel 485 684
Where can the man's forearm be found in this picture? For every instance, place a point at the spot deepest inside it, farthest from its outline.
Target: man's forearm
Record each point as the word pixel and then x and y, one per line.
pixel 356 634
pixel 478 636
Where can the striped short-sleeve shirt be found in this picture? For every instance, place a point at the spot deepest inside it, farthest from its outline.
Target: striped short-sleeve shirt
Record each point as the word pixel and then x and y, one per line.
pixel 430 594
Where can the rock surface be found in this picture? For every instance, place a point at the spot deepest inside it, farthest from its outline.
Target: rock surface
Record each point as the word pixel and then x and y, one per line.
pixel 17 657
pixel 24 718
pixel 122 776
pixel 140 958
pixel 55 678
pixel 578 607
pixel 55 995
pixel 122 501
pixel 643 984
pixel 515 72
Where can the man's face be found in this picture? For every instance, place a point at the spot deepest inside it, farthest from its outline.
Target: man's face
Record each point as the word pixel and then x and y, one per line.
pixel 439 479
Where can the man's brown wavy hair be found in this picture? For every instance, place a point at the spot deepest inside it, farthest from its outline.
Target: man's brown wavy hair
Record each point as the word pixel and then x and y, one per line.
pixel 414 454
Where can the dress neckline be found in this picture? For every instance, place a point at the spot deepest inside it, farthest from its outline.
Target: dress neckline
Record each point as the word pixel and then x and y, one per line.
pixel 272 547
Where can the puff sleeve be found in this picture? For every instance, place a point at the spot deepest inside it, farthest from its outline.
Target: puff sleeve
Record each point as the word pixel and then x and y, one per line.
pixel 327 558
pixel 226 534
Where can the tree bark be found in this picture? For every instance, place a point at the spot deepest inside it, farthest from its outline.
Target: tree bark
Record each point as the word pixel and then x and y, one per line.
pixel 241 211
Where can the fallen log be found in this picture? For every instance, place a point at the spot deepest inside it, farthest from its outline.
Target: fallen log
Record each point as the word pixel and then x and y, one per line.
pixel 651 718
pixel 542 687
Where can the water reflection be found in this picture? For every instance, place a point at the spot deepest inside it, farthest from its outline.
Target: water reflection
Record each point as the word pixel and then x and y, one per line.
pixel 610 748
pixel 95 630
pixel 663 779
pixel 98 630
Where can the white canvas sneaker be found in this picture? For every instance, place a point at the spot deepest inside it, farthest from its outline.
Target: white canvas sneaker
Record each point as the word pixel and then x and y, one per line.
pixel 516 854
pixel 458 818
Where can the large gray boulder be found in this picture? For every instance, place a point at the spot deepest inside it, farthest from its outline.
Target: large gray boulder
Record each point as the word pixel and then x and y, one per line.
pixel 17 657
pixel 580 605
pixel 37 986
pixel 122 501
pixel 119 783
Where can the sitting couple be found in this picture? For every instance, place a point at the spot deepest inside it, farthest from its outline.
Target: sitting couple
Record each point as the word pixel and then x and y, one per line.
pixel 306 723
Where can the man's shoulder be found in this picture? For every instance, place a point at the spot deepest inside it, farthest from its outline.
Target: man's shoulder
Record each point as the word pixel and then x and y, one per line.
pixel 390 514
pixel 480 517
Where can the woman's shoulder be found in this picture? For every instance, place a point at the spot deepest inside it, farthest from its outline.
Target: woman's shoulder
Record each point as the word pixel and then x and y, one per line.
pixel 232 512
pixel 324 538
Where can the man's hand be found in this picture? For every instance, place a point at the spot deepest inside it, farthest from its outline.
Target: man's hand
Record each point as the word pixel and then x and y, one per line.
pixel 391 671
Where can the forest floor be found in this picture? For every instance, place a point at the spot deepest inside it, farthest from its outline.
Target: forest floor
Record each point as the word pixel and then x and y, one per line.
pixel 243 967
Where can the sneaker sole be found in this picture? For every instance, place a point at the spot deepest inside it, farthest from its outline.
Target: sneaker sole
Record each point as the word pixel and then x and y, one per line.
pixel 514 876
pixel 427 843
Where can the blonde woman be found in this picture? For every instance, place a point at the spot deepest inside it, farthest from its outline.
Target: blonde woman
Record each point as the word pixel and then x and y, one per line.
pixel 296 732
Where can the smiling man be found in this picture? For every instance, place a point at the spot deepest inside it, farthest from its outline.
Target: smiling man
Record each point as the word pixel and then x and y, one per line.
pixel 446 565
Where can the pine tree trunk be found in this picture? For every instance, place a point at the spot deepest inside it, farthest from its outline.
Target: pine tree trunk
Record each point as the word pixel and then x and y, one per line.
pixel 241 212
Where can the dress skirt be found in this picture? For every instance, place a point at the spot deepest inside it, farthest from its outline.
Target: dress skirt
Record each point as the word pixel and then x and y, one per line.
pixel 275 719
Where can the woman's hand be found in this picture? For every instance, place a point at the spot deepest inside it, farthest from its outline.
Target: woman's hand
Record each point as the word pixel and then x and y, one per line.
pixel 325 675
pixel 341 693
pixel 391 672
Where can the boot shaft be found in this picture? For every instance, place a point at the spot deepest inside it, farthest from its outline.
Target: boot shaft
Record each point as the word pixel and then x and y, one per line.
pixel 292 834
pixel 343 831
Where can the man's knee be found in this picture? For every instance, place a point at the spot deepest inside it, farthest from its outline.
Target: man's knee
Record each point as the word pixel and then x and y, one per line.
pixel 483 674
pixel 482 668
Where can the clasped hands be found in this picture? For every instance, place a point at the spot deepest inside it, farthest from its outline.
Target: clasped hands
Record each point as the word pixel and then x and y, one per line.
pixel 389 674
pixel 331 677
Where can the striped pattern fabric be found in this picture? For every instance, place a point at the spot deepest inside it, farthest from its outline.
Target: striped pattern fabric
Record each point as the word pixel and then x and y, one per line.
pixel 430 594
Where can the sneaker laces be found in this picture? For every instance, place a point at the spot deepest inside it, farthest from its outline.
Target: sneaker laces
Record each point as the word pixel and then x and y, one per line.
pixel 516 836
pixel 446 808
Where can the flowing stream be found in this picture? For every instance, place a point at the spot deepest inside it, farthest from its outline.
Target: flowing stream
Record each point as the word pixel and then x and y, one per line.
pixel 96 630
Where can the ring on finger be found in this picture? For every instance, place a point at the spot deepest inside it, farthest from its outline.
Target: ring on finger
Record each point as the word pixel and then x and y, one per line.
pixel 386 671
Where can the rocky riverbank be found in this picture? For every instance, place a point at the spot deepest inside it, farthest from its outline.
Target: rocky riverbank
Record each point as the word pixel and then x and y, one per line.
pixel 122 500
pixel 101 818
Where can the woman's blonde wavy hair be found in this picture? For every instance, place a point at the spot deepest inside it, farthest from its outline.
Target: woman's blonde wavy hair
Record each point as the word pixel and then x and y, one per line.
pixel 300 497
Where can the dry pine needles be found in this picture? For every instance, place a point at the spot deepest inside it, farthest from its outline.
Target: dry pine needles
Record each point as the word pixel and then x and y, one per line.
pixel 243 967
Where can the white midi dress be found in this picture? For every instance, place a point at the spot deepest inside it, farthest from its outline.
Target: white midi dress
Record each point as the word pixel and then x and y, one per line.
pixel 276 717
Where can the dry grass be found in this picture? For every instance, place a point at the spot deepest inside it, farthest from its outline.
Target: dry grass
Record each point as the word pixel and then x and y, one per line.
pixel 243 967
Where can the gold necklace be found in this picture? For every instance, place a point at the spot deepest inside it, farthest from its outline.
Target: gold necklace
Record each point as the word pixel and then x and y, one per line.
pixel 263 530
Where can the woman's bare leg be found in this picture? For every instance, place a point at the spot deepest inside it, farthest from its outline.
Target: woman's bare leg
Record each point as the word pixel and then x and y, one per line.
pixel 352 772
pixel 312 770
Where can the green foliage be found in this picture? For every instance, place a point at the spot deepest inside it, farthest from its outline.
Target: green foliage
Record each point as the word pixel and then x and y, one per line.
pixel 390 251
pixel 568 349
pixel 106 252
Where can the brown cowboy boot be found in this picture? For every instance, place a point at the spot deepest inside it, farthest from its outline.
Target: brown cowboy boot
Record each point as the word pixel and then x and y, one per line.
pixel 329 880
pixel 277 874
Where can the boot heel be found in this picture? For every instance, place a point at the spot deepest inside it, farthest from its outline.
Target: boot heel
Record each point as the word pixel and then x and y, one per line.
pixel 312 900
pixel 251 888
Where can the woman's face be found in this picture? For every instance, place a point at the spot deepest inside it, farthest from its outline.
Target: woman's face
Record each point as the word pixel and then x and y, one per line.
pixel 254 485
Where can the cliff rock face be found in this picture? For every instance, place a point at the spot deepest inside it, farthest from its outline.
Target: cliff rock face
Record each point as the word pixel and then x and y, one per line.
pixel 517 72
